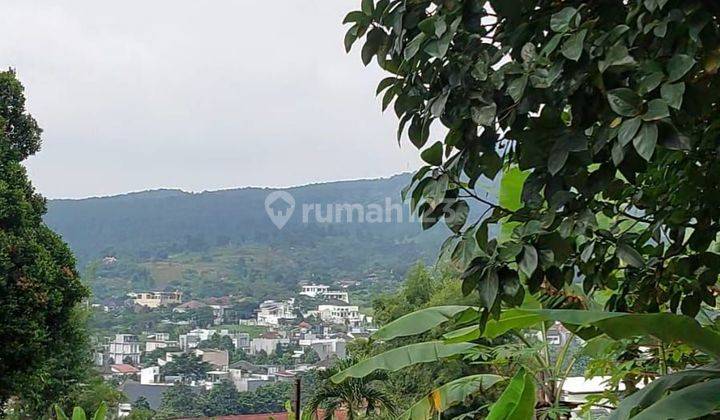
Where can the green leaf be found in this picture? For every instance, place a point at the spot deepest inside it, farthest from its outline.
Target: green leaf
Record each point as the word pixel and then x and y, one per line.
pixel 448 395
pixel 488 289
pixel 646 140
pixel 436 190
pixel 628 130
pixel 484 115
pixel 461 335
pixel 624 102
pixel 101 412
pixel 413 46
pixel 694 401
pixel 678 66
pixel 529 260
pixel 402 357
pixel 516 88
pixel 617 55
pixel 59 413
pixel 573 47
pixel 433 154
pixel 78 414
pixel 560 21
pixel 657 110
pixel 367 7
pixel 355 16
pixel 650 82
pixel 551 45
pixel 557 158
pixel 374 39
pixel 438 105
pixel 457 216
pixel 510 197
pixel 673 94
pixel 629 255
pixel 419 321
pixel 658 389
pixel 670 138
pixel 617 153
pixel 510 319
pixel 350 38
pixel 517 402
pixel 663 326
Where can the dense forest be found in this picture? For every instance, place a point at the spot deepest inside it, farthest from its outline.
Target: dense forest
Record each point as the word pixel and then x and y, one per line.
pixel 223 242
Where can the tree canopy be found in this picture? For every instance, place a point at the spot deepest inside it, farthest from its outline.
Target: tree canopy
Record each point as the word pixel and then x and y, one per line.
pixel 43 342
pixel 607 113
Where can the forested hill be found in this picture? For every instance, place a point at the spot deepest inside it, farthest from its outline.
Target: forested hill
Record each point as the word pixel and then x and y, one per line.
pixel 162 224
pixel 154 223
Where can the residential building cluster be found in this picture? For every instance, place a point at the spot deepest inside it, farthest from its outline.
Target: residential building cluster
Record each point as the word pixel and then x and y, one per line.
pixel 293 336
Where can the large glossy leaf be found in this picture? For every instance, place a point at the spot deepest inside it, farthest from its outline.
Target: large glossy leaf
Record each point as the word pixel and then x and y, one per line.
pixel 663 326
pixel 448 395
pixel 78 414
pixel 59 413
pixel 517 402
pixel 419 322
pixel 658 389
pixel 101 412
pixel 510 197
pixel 691 402
pixel 403 357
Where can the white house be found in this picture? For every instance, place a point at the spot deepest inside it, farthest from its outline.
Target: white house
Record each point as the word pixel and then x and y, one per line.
pixel 314 290
pixel 267 342
pixel 326 347
pixel 323 291
pixel 156 299
pixel 125 347
pixel 150 375
pixel 271 312
pixel 340 314
pixel 194 337
pixel 337 295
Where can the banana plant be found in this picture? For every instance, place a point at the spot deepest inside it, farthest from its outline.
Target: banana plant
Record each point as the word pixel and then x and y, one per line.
pixel 687 394
pixel 79 414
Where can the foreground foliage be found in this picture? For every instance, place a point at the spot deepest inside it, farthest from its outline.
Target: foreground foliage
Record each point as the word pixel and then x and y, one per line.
pixel 519 397
pixel 601 117
pixel 42 353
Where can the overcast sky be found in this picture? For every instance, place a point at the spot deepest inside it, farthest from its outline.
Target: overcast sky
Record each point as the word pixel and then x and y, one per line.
pixel 197 95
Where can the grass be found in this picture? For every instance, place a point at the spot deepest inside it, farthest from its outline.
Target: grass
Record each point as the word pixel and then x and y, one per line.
pixel 253 330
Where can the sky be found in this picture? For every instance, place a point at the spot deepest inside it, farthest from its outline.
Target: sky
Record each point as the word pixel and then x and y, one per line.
pixel 196 95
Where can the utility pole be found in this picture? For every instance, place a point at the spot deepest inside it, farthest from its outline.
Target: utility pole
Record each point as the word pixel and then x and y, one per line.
pixel 297 398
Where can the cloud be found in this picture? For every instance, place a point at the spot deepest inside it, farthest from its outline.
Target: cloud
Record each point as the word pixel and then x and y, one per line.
pixel 196 95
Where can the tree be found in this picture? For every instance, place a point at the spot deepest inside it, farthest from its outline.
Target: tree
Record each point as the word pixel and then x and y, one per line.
pixel 141 403
pixel 310 356
pixel 179 401
pixel 269 398
pixel 189 366
pixel 43 353
pixel 599 121
pixel 222 400
pixel 606 112
pixel 356 395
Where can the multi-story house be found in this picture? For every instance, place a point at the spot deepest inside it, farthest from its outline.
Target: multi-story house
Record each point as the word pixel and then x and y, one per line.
pixel 314 290
pixel 340 313
pixel 125 348
pixel 156 299
pixel 272 312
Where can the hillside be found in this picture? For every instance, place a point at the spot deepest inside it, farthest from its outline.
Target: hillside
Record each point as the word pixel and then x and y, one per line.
pixel 219 242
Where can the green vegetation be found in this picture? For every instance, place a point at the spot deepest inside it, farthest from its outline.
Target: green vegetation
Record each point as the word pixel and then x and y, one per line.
pixel 359 396
pixel 224 399
pixel 221 243
pixel 601 118
pixel 43 338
